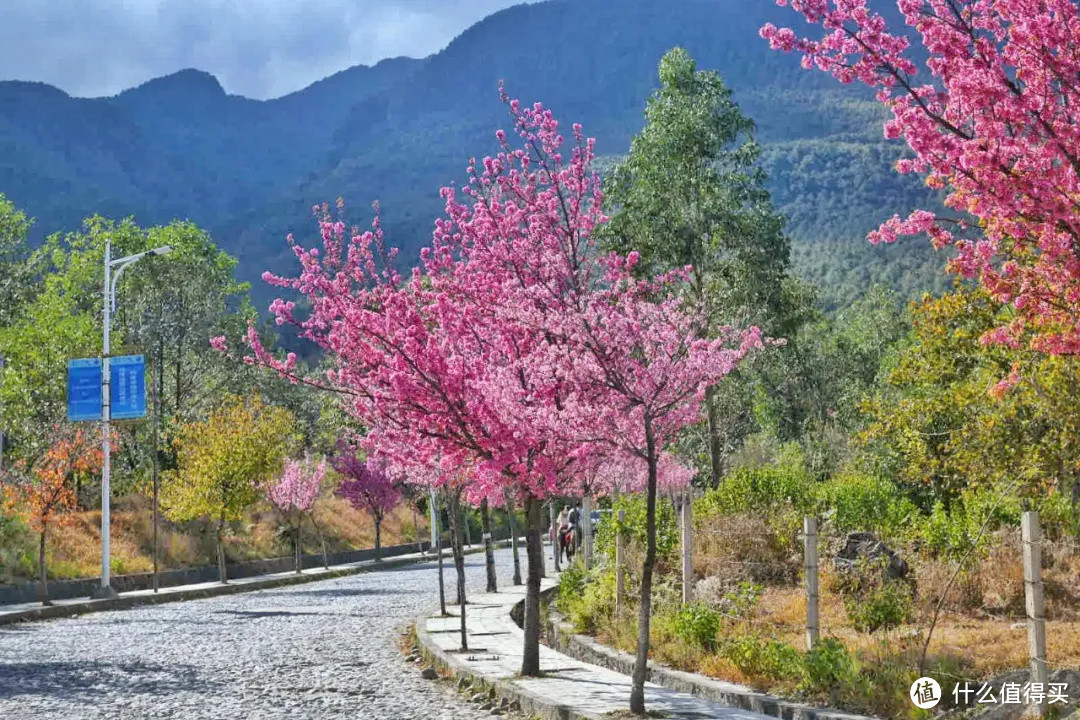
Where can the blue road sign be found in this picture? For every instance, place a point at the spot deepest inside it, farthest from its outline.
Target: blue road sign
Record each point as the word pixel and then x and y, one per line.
pixel 127 387
pixel 84 389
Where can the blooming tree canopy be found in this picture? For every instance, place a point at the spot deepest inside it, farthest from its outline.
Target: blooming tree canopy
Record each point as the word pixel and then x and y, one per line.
pixel 515 350
pixel 995 122
pixel 366 485
pixel 297 488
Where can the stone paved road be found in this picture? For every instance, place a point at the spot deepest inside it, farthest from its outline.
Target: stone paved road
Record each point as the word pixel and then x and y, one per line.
pixel 319 650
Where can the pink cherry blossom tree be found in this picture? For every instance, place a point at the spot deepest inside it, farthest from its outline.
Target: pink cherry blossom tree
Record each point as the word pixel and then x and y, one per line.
pixel 293 495
pixel 512 353
pixel 367 486
pixel 640 378
pixel 995 122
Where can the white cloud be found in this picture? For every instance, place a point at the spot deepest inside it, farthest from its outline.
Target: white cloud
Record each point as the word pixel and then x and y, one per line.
pixel 257 48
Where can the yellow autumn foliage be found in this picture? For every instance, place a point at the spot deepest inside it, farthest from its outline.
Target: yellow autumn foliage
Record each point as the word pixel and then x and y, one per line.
pixel 222 461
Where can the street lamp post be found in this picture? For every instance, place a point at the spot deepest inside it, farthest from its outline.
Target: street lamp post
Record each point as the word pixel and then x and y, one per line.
pixel 109 296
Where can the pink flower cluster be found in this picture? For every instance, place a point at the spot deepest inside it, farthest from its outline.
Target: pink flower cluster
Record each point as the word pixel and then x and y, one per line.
pixel 516 357
pixel 296 490
pixel 995 122
pixel 365 483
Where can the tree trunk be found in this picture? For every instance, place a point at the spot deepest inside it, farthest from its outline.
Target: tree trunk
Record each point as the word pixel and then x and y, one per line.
pixel 296 543
pixel 459 561
pixel 715 451
pixel 509 504
pixel 489 547
pixel 44 592
pixel 439 549
pixel 222 572
pixel 556 550
pixel 530 656
pixel 378 538
pixel 322 540
pixel 468 528
pixel 637 688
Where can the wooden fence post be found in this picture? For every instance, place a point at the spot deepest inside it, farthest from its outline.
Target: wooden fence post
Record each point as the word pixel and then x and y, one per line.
pixel 620 561
pixel 810 555
pixel 1031 536
pixel 687 547
pixel 586 529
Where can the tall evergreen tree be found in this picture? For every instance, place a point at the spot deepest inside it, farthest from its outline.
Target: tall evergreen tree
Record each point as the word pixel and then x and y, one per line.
pixel 691 193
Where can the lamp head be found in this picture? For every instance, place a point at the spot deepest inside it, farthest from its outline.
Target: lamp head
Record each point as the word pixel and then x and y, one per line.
pixel 162 250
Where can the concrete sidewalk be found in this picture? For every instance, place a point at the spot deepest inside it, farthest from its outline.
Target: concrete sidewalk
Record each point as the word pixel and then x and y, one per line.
pixel 23 612
pixel 570 689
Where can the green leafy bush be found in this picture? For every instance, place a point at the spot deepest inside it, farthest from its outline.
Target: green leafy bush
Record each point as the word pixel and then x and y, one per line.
pixel 585 598
pixel 667 527
pixel 571 587
pixel 764 658
pixel 759 488
pixel 881 607
pixel 955 532
pixel 742 600
pixel 828 666
pixel 697 623
pixel 18 557
pixel 857 502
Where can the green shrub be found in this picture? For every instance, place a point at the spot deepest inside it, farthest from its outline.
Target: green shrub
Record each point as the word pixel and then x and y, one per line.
pixel 744 598
pixel 955 532
pixel 697 623
pixel 857 502
pixel 881 607
pixel 18 549
pixel 828 667
pixel 571 587
pixel 667 527
pixel 764 658
pixel 766 487
pixel 597 602
pixel 584 598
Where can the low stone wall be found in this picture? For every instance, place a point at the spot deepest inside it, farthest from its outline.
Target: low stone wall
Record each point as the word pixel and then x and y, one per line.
pixel 584 648
pixel 11 594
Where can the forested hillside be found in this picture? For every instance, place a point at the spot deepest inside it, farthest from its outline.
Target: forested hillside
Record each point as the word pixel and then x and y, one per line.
pixel 249 170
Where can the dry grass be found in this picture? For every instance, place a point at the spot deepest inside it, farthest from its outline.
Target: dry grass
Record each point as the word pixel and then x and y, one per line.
pixel 744 547
pixel 75 550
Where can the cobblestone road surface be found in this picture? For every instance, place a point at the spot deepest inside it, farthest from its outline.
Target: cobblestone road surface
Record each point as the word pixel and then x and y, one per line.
pixel 320 650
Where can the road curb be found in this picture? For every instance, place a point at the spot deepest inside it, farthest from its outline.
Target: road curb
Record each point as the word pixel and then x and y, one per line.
pixel 458 669
pixel 123 602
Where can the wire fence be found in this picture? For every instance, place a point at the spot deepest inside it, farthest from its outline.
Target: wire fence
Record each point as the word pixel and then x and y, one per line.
pixel 975 618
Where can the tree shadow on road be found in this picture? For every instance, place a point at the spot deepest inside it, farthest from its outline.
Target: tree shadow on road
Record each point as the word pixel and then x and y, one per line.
pixel 85 680
pixel 253 614
pixel 342 592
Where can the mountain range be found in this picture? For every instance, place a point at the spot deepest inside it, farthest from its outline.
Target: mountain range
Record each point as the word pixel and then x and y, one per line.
pixel 250 170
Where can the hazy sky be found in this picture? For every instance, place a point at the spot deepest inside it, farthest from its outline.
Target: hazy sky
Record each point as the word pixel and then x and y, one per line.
pixel 257 48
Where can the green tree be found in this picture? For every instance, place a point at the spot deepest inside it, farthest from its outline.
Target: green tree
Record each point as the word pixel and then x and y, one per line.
pixel 16 270
pixel 810 392
pixel 945 422
pixel 691 193
pixel 223 461
pixel 169 307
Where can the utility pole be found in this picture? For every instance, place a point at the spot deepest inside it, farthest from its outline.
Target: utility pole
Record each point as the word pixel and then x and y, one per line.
pixel 109 296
